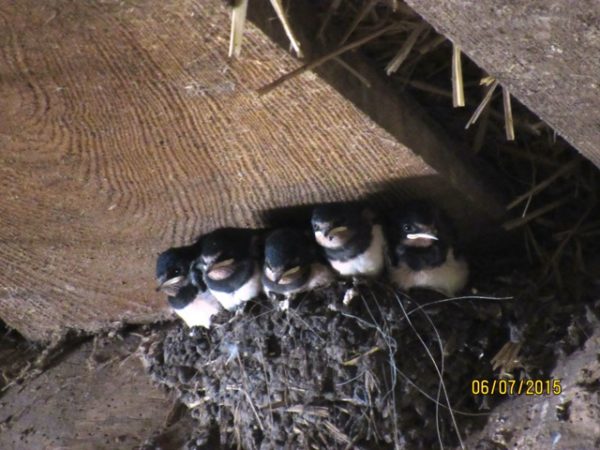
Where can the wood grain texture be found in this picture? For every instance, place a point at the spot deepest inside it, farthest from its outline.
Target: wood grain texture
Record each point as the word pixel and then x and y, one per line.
pixel 97 397
pixel 546 52
pixel 125 130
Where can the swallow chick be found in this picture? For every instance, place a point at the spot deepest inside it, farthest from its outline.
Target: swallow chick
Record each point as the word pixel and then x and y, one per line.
pixel 354 244
pixel 195 306
pixel 186 295
pixel 229 262
pixel 421 251
pixel 292 265
pixel 173 267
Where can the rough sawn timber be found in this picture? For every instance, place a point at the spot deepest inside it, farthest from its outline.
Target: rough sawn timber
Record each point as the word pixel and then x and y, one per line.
pixel 125 130
pixel 546 52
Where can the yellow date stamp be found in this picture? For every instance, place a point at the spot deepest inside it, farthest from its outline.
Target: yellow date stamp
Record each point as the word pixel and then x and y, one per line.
pixel 550 386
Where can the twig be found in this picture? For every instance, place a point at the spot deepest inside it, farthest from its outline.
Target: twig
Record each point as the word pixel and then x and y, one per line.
pixel 482 105
pixel 426 87
pixel 458 90
pixel 432 44
pixel 437 369
pixel 278 7
pixel 520 221
pixel 357 19
pixel 481 131
pixel 543 184
pixel 323 59
pixel 572 232
pixel 354 361
pixel 507 358
pixel 245 392
pixel 353 71
pixel 407 46
pixel 335 4
pixel 533 181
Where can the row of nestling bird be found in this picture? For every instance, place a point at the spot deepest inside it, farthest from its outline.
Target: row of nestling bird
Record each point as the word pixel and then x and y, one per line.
pixel 412 245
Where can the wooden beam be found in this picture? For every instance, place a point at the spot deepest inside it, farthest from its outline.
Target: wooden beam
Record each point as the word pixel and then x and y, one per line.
pixel 125 129
pixel 545 52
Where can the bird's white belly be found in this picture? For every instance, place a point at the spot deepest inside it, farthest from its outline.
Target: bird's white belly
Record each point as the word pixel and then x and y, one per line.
pixel 200 311
pixel 249 290
pixel 320 276
pixel 370 262
pixel 448 279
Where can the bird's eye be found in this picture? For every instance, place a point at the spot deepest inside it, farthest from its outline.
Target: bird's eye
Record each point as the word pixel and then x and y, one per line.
pixel 407 228
pixel 176 272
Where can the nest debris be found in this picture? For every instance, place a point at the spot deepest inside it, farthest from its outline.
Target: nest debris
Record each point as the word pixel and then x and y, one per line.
pixel 357 376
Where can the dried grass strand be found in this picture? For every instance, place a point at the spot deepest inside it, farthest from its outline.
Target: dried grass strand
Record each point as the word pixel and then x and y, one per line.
pixel 294 42
pixel 458 89
pixel 238 23
pixel 544 184
pixel 406 48
pixel 323 59
pixel 333 6
pixel 366 7
pixel 485 102
pixel 509 124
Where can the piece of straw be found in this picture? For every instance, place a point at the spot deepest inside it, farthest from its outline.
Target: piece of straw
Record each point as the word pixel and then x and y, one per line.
pixel 333 6
pixel 294 42
pixel 407 46
pixel 238 22
pixel 357 19
pixel 323 59
pixel 482 105
pixel 432 44
pixel 520 221
pixel 509 125
pixel 458 89
pixel 543 184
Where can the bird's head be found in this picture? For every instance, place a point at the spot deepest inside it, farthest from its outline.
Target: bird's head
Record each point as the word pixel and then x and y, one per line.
pixel 287 256
pixel 335 224
pixel 172 268
pixel 417 225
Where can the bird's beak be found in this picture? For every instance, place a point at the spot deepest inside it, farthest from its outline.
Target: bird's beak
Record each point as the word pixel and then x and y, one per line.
pixel 336 231
pixel 171 286
pixel 413 236
pixel 220 270
pixel 288 276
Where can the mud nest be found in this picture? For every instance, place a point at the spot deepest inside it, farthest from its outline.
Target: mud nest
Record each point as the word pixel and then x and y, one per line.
pixel 326 375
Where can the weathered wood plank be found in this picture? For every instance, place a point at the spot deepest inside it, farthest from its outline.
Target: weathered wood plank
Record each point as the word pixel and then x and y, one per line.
pixel 125 129
pixel 546 52
pixel 97 397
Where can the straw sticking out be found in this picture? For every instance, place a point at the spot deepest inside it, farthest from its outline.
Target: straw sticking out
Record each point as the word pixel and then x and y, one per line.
pixel 544 184
pixel 482 105
pixel 357 19
pixel 238 22
pixel 317 62
pixel 408 45
pixel 515 223
pixel 431 44
pixel 335 4
pixel 353 71
pixel 458 89
pixel 294 43
pixel 508 116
